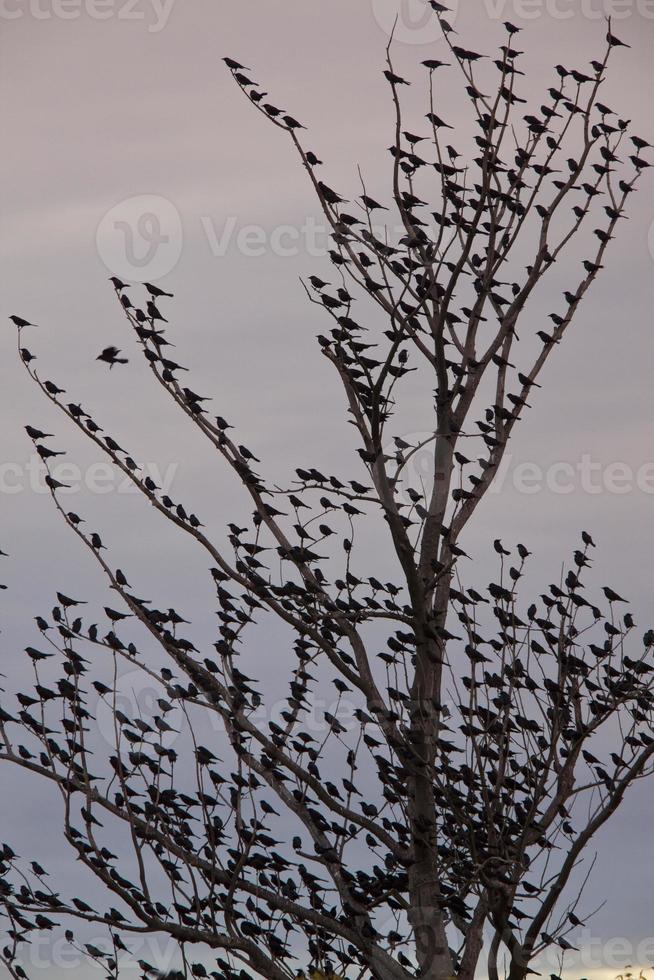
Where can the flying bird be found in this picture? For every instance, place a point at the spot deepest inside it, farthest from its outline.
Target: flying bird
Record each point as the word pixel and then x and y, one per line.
pixel 110 356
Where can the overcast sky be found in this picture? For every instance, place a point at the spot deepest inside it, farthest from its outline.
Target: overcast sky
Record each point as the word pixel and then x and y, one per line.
pixel 127 149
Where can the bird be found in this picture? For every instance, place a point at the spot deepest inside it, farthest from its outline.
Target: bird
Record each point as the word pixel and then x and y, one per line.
pixel 464 55
pixel 436 121
pixel 615 42
pixel 37 433
pixel 67 602
pixel 433 64
pixel 110 356
pixel 611 595
pixel 235 65
pixel 20 322
pixel 156 291
pixel 292 123
pixel 153 312
pixel 371 204
pixel 411 138
pixel 55 484
pixel 114 615
pixel 395 79
pixel 581 560
pixel 247 454
pixel 243 79
pixel 36 655
pixel 330 195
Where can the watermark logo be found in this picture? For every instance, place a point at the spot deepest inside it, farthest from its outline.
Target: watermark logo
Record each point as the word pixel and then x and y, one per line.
pixel 411 462
pixel 153 13
pixel 416 22
pixel 412 21
pixel 99 478
pixel 526 11
pixel 141 238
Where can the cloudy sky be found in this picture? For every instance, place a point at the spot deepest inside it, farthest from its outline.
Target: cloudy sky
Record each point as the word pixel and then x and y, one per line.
pixel 127 149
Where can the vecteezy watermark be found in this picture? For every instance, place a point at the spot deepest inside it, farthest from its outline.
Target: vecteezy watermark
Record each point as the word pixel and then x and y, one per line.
pixel 311 238
pixel 154 13
pixel 141 238
pixel 96 478
pixel 585 475
pixel 592 10
pixel 55 956
pixel 412 21
pixel 414 456
pixel 415 22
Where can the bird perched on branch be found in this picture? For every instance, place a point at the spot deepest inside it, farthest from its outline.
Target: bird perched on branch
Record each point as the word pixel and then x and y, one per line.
pixel 20 322
pixel 235 65
pixel 155 291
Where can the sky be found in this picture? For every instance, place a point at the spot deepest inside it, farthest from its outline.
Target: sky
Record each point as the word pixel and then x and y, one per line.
pixel 128 150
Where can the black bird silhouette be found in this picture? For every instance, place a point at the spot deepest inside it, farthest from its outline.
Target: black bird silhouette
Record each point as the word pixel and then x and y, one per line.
pixel 156 291
pixel 612 596
pixel 67 602
pixel 433 64
pixel 437 121
pixel 330 195
pixel 395 79
pixel 235 65
pixel 110 356
pixel 153 312
pixel 371 204
pixel 615 42
pixel 36 433
pixel 20 322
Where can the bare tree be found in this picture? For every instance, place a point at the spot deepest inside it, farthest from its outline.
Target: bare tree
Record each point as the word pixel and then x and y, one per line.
pixel 488 739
